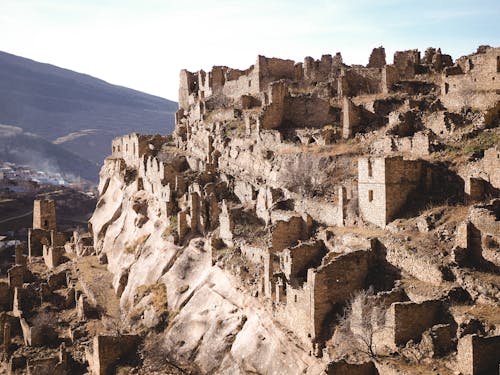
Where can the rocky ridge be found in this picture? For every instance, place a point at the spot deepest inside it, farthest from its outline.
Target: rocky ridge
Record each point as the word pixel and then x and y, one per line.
pixel 306 217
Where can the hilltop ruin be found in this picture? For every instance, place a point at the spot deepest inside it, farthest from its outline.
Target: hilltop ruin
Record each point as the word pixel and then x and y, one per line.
pixel 308 217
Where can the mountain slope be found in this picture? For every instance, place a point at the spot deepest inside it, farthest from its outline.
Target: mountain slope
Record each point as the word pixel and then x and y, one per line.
pixel 24 148
pixel 79 112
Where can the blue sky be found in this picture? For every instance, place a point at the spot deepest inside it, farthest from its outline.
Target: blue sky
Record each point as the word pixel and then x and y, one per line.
pixel 143 44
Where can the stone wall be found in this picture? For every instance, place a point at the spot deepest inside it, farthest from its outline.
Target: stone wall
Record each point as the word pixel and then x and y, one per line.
pixel 223 84
pixel 473 81
pixel 384 185
pixel 377 58
pixel 274 110
pixel 408 320
pixel 273 69
pixel 478 355
pixel 390 76
pixel 322 70
pixel 286 233
pixel 406 63
pixel 44 214
pixel 351 118
pixel 309 305
pixel 335 282
pixel 344 368
pixel 134 147
pixel 254 254
pixel 358 80
pixel 491 165
pixel 107 351
pixel 305 111
pixel 295 261
pixel 52 255
pixel 37 238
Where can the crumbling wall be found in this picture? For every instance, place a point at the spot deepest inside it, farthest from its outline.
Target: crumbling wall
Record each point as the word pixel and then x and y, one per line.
pixel 108 350
pixel 308 306
pixel 342 367
pixel 491 165
pixel 351 118
pixel 408 320
pixel 286 233
pixel 358 80
pixel 273 112
pixel 478 355
pixel 310 112
pixel 134 147
pixel 377 58
pixel 325 69
pixel 390 76
pixel 52 255
pixel 335 283
pixel 188 85
pixel 273 69
pixel 406 63
pixel 296 260
pixel 473 81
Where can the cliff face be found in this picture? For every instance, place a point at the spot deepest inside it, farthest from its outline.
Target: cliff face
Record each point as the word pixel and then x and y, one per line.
pixel 212 321
pixel 313 216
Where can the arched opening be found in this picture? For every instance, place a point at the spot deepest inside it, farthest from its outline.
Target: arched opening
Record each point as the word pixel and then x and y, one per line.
pixel 370 168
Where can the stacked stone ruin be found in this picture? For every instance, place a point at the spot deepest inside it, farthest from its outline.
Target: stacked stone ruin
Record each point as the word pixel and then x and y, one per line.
pixel 221 175
pixel 248 171
pixel 41 283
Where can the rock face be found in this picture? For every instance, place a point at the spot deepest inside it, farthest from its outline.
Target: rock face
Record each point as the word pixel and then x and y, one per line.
pixel 309 217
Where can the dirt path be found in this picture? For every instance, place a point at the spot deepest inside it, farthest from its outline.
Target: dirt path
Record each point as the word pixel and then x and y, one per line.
pixel 16 217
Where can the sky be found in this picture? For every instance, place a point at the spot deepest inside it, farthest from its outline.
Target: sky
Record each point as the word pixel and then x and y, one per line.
pixel 143 44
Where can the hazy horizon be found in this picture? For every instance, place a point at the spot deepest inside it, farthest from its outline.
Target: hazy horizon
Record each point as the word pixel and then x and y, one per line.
pixel 143 45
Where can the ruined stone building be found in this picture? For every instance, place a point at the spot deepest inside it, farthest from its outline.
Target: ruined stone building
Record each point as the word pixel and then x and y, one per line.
pixel 315 180
pixel 304 217
pixel 384 185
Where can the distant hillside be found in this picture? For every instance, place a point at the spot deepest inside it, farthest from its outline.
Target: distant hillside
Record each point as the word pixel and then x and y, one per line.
pixel 76 111
pixel 29 149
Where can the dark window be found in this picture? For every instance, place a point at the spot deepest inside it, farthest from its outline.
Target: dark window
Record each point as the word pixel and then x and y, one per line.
pixel 370 195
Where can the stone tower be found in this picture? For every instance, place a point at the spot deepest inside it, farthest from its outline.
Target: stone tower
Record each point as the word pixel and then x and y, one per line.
pixel 384 185
pixel 44 214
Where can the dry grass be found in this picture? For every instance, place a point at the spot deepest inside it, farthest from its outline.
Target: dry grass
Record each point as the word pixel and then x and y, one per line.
pixel 96 279
pixel 460 152
pixel 171 228
pixel 487 313
pixel 347 148
pixel 368 232
pixel 158 294
pixel 135 245
pixel 402 366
